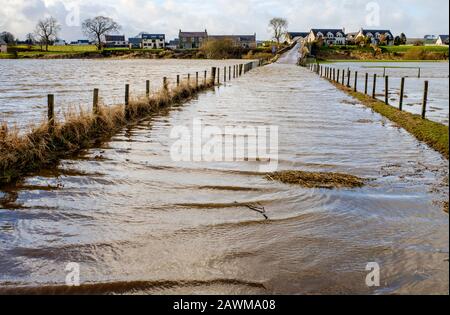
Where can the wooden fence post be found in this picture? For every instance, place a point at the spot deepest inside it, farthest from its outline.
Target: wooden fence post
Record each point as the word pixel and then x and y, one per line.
pixel 204 78
pixel 218 76
pixel 127 101
pixel 189 79
pixel 51 112
pixel 402 92
pixel 425 100
pixel 374 87
pixel 147 88
pixel 355 88
pixel 229 73
pixel 178 80
pixel 343 76
pixel 366 83
pixel 386 90
pixel 95 102
pixel 349 73
pixel 224 74
pixel 165 84
pixel 384 72
pixel 196 79
pixel 419 73
pixel 338 75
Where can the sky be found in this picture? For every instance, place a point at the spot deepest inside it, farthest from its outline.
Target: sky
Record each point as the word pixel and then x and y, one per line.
pixel 415 18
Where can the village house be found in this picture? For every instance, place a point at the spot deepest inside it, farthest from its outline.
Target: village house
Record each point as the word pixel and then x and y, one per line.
pixel 292 37
pixel 173 44
pixel 3 46
pixel 135 42
pixel 442 40
pixel 59 42
pixel 80 42
pixel 192 40
pixel 375 36
pixel 330 36
pixel 115 41
pixel 153 41
pixel 243 41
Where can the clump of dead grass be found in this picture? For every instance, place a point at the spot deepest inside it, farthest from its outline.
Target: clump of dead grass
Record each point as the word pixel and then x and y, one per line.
pixel 317 180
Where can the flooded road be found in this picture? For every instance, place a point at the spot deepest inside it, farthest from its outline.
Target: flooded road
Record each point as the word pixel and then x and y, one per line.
pixel 138 222
pixel 415 74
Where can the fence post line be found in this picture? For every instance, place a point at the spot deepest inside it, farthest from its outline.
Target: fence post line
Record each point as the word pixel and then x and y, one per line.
pixel 240 69
pixel 127 101
pixel 386 90
pixel 147 88
pixel 355 87
pixel 374 87
pixel 95 102
pixel 402 92
pixel 425 100
pixel 366 83
pixel 51 112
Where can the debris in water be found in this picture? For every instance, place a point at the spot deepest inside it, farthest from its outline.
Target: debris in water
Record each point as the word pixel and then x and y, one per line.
pixel 258 209
pixel 317 180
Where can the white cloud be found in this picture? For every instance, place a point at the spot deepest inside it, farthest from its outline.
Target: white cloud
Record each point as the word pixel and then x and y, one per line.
pixel 414 17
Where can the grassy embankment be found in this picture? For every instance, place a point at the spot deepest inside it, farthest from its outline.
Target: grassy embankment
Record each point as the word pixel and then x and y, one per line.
pixel 44 146
pixel 405 53
pixel 88 52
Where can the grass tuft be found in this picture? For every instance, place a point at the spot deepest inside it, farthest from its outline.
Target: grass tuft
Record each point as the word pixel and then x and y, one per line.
pixel 317 180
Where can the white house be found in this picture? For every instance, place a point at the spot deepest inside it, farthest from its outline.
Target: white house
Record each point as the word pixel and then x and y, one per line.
pixel 115 41
pixel 3 46
pixel 59 42
pixel 442 40
pixel 153 41
pixel 330 36
pixel 375 36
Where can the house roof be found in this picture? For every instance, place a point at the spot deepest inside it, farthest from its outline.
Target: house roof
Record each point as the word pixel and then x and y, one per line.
pixel 134 40
pixel 115 38
pixel 444 37
pixel 325 31
pixel 365 32
pixel 298 34
pixel 194 34
pixel 153 36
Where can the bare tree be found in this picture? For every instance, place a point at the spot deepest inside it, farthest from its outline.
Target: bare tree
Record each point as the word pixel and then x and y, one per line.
pixel 99 26
pixel 47 31
pixel 279 28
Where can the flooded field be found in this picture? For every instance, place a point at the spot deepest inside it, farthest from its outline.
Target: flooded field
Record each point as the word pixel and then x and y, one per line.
pixel 138 222
pixel 437 73
pixel 24 84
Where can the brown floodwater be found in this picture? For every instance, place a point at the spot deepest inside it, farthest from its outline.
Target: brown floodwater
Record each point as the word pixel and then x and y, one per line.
pixel 138 222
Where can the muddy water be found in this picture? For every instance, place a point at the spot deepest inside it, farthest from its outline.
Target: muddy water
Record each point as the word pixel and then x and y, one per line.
pixel 138 222
pixel 24 84
pixel 437 73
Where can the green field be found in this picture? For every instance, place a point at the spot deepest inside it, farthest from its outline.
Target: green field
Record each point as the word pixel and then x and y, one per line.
pixel 405 48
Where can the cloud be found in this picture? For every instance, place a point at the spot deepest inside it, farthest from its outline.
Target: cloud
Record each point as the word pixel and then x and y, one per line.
pixel 414 17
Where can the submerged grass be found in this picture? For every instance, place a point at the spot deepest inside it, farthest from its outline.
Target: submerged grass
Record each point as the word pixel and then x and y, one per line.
pixel 42 147
pixel 317 180
pixel 434 134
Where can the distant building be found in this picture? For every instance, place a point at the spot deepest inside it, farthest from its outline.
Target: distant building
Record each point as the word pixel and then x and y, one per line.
pixel 243 41
pixel 3 46
pixel 115 41
pixel 430 37
pixel 442 40
pixel 330 36
pixel 153 41
pixel 375 36
pixel 192 40
pixel 135 42
pixel 59 42
pixel 173 44
pixel 292 37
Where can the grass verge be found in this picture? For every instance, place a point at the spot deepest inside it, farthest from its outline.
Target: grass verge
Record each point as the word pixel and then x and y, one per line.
pixel 43 147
